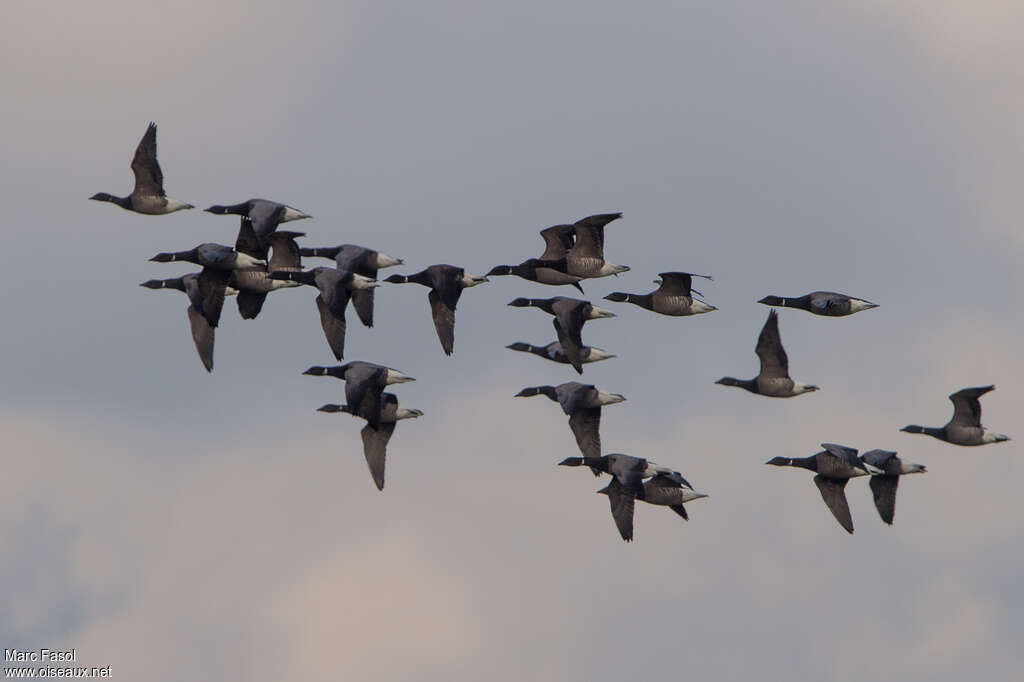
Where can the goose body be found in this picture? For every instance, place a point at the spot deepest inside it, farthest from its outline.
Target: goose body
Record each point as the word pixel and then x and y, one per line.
pixel 884 484
pixel 964 428
pixel 148 196
pixel 362 261
pixel 674 296
pixel 375 440
pixel 773 380
pixel 827 303
pixel 446 283
pixel 570 315
pixel 551 267
pixel 554 352
pixel 834 466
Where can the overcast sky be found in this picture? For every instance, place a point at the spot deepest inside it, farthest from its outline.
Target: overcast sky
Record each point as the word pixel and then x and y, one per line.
pixel 172 523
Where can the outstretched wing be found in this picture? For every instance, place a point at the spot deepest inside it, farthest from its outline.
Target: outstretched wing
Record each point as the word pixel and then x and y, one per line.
pixel 833 492
pixel 334 327
pixel 202 335
pixel 148 177
pixel 444 321
pixel 774 362
pixel 884 490
pixel 622 509
pixel 967 407
pixel 375 443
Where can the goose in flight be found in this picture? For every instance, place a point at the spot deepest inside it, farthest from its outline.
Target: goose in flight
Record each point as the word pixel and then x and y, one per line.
pixel 553 351
pixel 335 287
pixel 148 196
pixel 883 485
pixel 773 379
pixel 264 215
pixel 375 440
pixel 834 467
pixel 827 303
pixel 582 402
pixel 674 296
pixel 446 283
pixel 964 428
pixel 205 291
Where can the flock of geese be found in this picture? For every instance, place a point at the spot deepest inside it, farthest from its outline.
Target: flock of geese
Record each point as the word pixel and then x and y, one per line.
pixel 265 259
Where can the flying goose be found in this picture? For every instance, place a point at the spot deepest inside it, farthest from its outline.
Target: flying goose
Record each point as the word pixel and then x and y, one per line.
pixel 586 257
pixel 362 261
pixel 335 287
pixel 375 441
pixel 205 291
pixel 570 314
pixel 553 351
pixel 582 402
pixel 659 490
pixel 773 379
pixel 822 303
pixel 551 267
pixel 965 426
pixel 364 385
pixel 261 213
pixel 216 256
pixel 834 466
pixel 883 485
pixel 673 297
pixel 446 283
pixel 629 471
pixel 148 196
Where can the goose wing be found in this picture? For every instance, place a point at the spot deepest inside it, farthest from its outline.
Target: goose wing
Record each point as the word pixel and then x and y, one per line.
pixel 622 505
pixel 586 426
pixel 357 259
pixel 571 346
pixel 444 321
pixel 285 254
pixel 202 336
pixel 678 283
pixel 883 488
pixel 774 362
pixel 248 243
pixel 212 283
pixel 333 323
pixel 967 407
pixel 250 303
pixel 375 443
pixel 265 216
pixel 834 495
pixel 149 179
pixel 364 384
pixel 557 241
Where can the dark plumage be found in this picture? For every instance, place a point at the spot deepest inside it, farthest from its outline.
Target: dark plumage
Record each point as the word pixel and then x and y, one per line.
pixel 554 352
pixel 205 291
pixel 263 215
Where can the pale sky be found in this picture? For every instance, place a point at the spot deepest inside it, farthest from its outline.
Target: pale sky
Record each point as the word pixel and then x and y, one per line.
pixel 171 523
